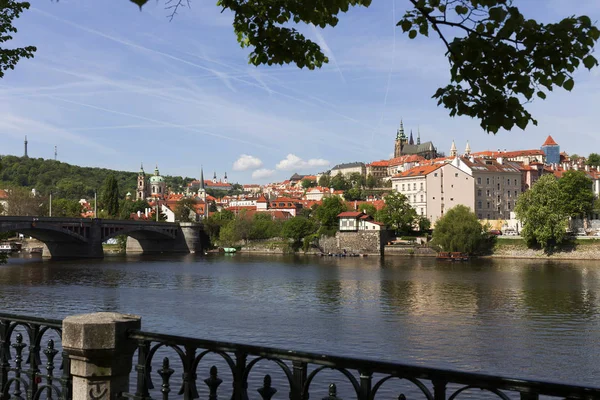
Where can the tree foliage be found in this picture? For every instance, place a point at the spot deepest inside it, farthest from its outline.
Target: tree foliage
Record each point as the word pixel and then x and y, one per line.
pixel 577 193
pixel 184 210
pixel 593 160
pixel 129 207
pixel 459 230
pixel 297 229
pixel 9 11
pixel 397 213
pixel 327 214
pixel 499 59
pixel 542 213
pixel 111 197
pixel 308 183
pixel 66 208
pixel 22 202
pixel 325 180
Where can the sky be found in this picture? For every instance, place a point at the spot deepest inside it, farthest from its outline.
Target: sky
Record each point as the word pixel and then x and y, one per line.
pixel 112 86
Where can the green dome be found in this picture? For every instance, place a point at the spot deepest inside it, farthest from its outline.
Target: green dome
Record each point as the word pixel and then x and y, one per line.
pixel 156 179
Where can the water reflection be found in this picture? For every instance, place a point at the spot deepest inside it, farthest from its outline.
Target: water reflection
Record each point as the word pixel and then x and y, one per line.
pixel 512 317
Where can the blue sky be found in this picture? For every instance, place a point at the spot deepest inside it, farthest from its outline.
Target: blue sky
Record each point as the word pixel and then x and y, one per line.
pixel 113 87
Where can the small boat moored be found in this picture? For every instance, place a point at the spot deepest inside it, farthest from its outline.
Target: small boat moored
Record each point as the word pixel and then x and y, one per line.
pixel 452 256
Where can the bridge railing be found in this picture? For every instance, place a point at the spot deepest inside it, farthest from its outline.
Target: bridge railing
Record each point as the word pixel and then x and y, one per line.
pixel 167 366
pixel 32 363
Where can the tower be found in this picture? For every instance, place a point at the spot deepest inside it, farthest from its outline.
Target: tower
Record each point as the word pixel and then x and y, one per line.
pixel 157 184
pixel 418 136
pixel 201 189
pixel 551 151
pixel 215 177
pixel 400 141
pixel 25 154
pixel 453 151
pixel 411 141
pixel 55 153
pixel 468 149
pixel 225 178
pixel 141 193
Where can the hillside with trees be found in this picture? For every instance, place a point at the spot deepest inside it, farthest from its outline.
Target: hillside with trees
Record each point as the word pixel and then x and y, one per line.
pixel 69 181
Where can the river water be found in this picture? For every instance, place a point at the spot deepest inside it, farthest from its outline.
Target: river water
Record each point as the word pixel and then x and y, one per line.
pixel 521 318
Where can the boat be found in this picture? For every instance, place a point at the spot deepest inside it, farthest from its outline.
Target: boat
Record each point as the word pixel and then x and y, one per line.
pixel 452 256
pixel 229 249
pixel 9 247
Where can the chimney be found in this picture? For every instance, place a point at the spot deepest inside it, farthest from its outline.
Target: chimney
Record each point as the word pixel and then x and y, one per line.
pixel 500 160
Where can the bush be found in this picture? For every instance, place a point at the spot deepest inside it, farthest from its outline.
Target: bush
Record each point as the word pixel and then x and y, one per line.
pixel 459 230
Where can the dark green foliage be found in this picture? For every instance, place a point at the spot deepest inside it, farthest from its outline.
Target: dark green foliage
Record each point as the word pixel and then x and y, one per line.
pixel 69 181
pixel 397 213
pixel 66 208
pixel 129 207
pixel 424 223
pixel 297 229
pixel 371 181
pixel 460 230
pixel 9 11
pixel 21 202
pixel 339 182
pixel 542 213
pixel 577 193
pixel 110 197
pixel 354 193
pixel 308 183
pixel 327 214
pixel 368 209
pixel 264 227
pixel 593 160
pixel 325 181
pixel 212 207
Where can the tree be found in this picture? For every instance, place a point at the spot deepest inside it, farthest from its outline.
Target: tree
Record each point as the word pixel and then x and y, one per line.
pixel 338 182
pixel 213 206
pixel 354 193
pixel 574 157
pixel 593 160
pixel 264 227
pixel 424 223
pixel 297 229
pixel 308 183
pixel 110 196
pixel 543 216
pixel 22 201
pixel 502 60
pixel 129 207
pixel 577 193
pixel 397 213
pixel 66 208
pixel 184 210
pixel 371 181
pixel 10 10
pixel 356 179
pixel 325 180
pixel 368 209
pixel 459 230
pixel 327 214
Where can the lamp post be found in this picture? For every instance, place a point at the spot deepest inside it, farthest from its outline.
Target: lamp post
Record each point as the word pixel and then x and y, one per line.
pixel 95 205
pixel 50 208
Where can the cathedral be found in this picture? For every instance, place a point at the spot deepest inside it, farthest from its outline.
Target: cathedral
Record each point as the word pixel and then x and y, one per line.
pixel 155 187
pixel 406 146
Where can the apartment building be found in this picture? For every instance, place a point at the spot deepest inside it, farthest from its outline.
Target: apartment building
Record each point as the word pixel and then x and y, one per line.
pixel 433 189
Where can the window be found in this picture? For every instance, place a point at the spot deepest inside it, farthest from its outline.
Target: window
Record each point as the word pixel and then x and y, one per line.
pixel 456 174
pixel 487 180
pixel 487 193
pixel 422 212
pixel 508 181
pixel 488 205
pixel 508 205
pixel 435 174
pixel 515 193
pixel 421 198
pixel 515 182
pixel 498 208
pixel 153 189
pixel 403 187
pixel 451 198
pixel 509 193
pixel 498 186
pixel 479 192
pixel 479 205
pixel 415 186
pixel 344 223
pixel 479 181
pixel 488 216
pixel 421 185
pixel 414 198
pixel 396 188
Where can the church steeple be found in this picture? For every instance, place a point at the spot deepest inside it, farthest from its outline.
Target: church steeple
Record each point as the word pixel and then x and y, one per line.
pixel 453 151
pixel 411 140
pixel 400 133
pixel 418 135
pixel 215 177
pixel 201 178
pixel 225 178
pixel 468 149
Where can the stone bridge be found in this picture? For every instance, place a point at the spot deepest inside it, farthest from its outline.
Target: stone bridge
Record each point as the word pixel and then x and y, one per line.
pixel 83 237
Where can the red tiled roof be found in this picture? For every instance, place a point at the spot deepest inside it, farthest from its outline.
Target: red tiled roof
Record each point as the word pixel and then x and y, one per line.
pixel 405 159
pixel 381 163
pixel 3 194
pixel 419 171
pixel 261 199
pixel 350 214
pixel 550 142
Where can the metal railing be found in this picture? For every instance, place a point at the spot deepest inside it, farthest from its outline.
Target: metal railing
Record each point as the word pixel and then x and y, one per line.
pixel 23 374
pixel 366 377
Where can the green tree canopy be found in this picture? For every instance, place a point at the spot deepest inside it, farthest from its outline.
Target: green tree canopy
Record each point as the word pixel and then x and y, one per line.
pixel 371 181
pixel 129 207
pixel 397 213
pixel 184 210
pixel 308 183
pixel 66 208
pixel 325 180
pixel 111 197
pixel 339 182
pixel 542 213
pixel 577 193
pixel 22 202
pixel 297 229
pixel 593 160
pixel 327 214
pixel 459 230
pixel 368 209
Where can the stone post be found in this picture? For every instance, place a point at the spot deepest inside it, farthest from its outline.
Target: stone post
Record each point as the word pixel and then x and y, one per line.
pixel 100 353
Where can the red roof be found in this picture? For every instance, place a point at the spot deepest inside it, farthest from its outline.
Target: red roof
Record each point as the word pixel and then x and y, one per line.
pixel 261 199
pixel 420 171
pixel 3 194
pixel 550 142
pixel 350 214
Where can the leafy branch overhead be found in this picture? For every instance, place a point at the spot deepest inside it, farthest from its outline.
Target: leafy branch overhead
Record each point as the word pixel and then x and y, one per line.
pixel 499 60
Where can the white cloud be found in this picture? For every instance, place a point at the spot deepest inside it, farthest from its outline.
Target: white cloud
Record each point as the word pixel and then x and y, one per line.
pixel 246 162
pixel 262 173
pixel 292 162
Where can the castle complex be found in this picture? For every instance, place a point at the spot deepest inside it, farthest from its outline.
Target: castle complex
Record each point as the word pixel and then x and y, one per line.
pixel 407 146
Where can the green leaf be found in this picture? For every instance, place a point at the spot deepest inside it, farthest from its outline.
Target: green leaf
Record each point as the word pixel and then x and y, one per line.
pixel 590 62
pixel 461 10
pixel 412 34
pixel 406 25
pixel 541 95
pixel 568 85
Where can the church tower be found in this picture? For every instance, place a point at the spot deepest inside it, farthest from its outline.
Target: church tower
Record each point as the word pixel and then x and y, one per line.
pixel 453 152
pixel 157 185
pixel 401 140
pixel 411 140
pixel 468 149
pixel 141 193
pixel 225 178
pixel 202 189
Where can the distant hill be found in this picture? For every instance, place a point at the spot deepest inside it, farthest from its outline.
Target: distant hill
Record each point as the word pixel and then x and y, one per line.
pixel 69 181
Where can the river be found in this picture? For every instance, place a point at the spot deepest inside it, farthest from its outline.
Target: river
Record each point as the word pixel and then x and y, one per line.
pixel 522 318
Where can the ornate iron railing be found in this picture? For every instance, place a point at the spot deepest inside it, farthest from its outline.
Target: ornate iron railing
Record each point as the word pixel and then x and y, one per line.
pixel 23 375
pixel 300 369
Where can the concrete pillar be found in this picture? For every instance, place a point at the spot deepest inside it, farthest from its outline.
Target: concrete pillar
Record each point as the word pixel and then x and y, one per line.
pixel 100 353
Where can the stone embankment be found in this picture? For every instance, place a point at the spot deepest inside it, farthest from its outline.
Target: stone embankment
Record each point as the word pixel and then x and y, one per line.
pixel 587 251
